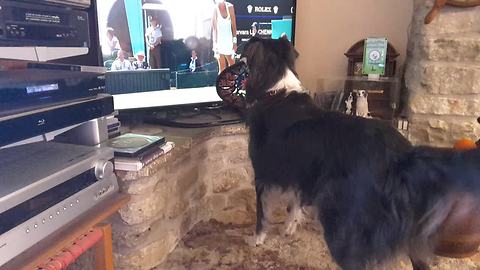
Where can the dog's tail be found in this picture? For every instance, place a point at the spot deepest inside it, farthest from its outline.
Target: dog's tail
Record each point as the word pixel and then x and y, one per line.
pixel 435 179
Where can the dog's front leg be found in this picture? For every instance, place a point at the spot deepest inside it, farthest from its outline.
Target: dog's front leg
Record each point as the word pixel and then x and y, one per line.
pixel 295 216
pixel 260 230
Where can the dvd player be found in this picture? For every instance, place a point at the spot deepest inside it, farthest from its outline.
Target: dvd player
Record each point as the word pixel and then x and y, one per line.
pixel 28 89
pixel 44 186
pixel 25 125
pixel 28 24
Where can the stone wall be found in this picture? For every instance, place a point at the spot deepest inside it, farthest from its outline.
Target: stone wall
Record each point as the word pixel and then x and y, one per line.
pixel 443 75
pixel 207 178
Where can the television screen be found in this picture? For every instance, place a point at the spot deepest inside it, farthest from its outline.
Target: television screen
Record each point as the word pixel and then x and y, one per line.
pixel 171 51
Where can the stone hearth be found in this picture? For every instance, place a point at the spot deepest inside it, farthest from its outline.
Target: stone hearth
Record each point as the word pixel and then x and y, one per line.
pixel 443 75
pixel 207 176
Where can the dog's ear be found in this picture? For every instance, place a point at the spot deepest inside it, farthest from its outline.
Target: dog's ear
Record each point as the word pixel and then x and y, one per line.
pixel 252 49
pixel 254 52
pixel 288 53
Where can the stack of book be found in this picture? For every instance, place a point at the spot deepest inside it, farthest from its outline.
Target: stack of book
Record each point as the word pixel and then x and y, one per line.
pixel 135 151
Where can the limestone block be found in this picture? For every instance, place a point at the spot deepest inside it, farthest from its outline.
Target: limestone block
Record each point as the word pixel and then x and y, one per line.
pixel 455 20
pixel 238 216
pixel 142 185
pixel 215 160
pixel 240 208
pixel 442 131
pixel 437 124
pixel 215 203
pixel 239 143
pixel 216 146
pixel 147 257
pixel 417 134
pixel 451 79
pixel 126 236
pixel 243 198
pixel 186 177
pixel 230 130
pixel 453 48
pixel 142 209
pixel 421 133
pixel 197 192
pixel 464 129
pixel 201 211
pixel 440 105
pixel 223 144
pixel 228 179
pixel 179 163
pixel 238 157
pixel 177 208
pixel 450 20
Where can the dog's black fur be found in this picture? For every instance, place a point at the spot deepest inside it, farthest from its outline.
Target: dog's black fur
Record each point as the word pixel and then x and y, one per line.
pixel 375 194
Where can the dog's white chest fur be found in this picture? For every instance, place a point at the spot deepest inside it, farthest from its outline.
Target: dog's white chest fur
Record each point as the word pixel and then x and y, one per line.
pixel 289 82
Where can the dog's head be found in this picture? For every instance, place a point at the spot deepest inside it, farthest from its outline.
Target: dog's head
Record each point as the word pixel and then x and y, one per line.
pixel 362 93
pixel 267 61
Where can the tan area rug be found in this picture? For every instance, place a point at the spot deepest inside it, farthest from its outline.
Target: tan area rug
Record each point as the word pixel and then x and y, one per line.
pixel 212 245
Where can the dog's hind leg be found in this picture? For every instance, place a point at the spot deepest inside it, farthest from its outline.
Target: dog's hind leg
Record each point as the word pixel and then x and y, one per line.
pixel 260 230
pixel 418 264
pixel 295 215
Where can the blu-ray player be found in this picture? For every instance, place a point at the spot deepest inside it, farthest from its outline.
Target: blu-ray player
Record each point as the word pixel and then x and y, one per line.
pixel 25 125
pixel 44 186
pixel 28 89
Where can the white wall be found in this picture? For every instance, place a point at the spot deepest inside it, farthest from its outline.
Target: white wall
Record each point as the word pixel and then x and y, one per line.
pixel 325 30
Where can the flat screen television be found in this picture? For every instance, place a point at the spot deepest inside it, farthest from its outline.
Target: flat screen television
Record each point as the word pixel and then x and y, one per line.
pixel 182 30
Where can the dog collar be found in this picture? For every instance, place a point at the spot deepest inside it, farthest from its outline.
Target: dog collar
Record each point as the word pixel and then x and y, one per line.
pixel 267 96
pixel 273 93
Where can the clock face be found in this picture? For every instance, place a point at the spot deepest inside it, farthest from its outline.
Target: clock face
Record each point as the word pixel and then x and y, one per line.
pixel 374 55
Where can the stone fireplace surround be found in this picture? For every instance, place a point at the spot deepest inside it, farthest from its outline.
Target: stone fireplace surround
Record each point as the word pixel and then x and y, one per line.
pixel 443 75
pixel 207 176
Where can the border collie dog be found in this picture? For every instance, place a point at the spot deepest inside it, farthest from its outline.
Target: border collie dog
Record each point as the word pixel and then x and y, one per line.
pixel 375 194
